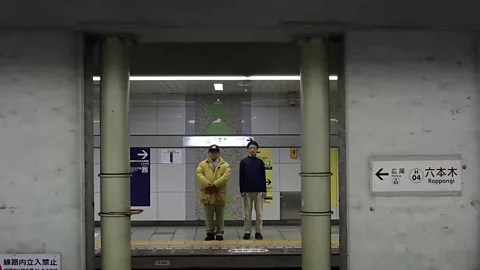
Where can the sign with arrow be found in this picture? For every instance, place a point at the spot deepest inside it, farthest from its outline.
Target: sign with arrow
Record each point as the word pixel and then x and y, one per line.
pixel 406 175
pixel 143 154
pixel 379 174
pixel 266 155
pixel 140 176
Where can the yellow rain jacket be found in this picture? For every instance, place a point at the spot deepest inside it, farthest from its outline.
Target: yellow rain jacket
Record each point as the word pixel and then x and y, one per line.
pixel 218 177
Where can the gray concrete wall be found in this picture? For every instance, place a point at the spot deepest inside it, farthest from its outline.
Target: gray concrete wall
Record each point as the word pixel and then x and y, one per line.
pixel 412 93
pixel 41 145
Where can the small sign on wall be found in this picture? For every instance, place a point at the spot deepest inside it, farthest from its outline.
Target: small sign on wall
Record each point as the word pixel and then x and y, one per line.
pixel 293 153
pixel 171 156
pixel 291 99
pixel 30 261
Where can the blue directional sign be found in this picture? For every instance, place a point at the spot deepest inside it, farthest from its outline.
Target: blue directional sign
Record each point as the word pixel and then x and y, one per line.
pixel 140 176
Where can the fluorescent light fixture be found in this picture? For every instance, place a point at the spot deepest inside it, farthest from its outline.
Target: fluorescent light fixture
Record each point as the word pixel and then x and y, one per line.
pixel 218 86
pixel 217 78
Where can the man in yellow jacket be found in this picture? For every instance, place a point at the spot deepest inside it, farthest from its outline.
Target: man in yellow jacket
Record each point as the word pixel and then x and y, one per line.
pixel 213 174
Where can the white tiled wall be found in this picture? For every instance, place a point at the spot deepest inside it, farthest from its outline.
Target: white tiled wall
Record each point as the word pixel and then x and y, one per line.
pixel 167 188
pixel 276 120
pixel 289 170
pixel 283 180
pixel 153 115
pixel 168 185
pixel 165 115
pixel 272 115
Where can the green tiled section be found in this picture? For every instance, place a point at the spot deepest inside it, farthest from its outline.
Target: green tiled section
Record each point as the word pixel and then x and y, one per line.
pixel 218 115
pixel 229 216
pixel 218 128
pixel 218 110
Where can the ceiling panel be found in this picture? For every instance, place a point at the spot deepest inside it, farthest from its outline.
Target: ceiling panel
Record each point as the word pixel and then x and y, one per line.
pixel 123 15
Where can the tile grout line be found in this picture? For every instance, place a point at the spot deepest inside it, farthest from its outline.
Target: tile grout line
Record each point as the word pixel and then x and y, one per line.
pixel 280 232
pixel 151 235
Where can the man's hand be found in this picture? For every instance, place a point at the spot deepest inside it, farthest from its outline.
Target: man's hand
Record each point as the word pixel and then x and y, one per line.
pixel 210 187
pixel 264 194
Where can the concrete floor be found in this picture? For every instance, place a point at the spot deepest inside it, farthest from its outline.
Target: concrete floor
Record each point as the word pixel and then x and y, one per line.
pixel 193 237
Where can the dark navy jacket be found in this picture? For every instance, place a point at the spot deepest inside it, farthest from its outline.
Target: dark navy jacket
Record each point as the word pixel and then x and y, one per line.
pixel 252 175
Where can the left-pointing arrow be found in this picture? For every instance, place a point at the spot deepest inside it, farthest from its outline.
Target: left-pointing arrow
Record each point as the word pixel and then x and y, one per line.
pixel 144 154
pixel 379 174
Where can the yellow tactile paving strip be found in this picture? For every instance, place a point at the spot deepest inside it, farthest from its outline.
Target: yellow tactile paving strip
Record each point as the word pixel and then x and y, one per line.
pixel 165 244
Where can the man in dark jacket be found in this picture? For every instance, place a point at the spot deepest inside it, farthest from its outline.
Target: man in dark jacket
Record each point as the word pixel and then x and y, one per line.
pixel 253 187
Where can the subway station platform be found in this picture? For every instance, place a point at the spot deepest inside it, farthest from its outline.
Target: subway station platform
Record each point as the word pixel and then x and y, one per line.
pixel 185 248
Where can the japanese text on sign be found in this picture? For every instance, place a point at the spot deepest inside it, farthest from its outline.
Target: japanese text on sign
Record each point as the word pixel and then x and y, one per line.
pixel 442 176
pixel 416 175
pixel 143 168
pixel 226 141
pixel 30 261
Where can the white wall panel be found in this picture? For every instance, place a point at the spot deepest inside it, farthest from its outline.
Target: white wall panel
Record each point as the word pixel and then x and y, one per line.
pixel 96 120
pixel 96 156
pixel 142 100
pixel 276 177
pixel 171 206
pixel 96 178
pixel 143 120
pixel 154 155
pixel 289 177
pixel 290 120
pixel 171 178
pixel 153 177
pixel 96 200
pixel 265 120
pixel 171 120
pixel 149 212
pixel 172 100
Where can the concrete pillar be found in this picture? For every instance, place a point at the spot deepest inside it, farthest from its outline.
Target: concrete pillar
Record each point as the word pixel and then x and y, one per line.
pixel 88 96
pixel 114 154
pixel 315 166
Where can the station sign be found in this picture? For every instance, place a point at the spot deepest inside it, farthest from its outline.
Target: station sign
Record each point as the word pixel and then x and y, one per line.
pixel 416 175
pixel 222 141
